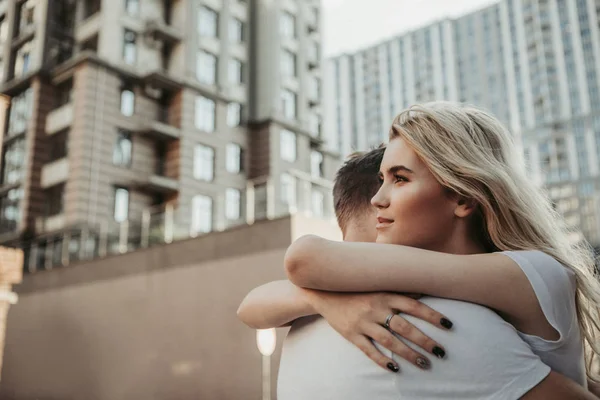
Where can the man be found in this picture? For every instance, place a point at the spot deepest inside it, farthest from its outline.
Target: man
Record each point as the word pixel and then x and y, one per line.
pixel 318 363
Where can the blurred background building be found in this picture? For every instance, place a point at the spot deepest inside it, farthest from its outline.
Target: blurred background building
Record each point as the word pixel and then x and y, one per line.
pixel 534 63
pixel 133 122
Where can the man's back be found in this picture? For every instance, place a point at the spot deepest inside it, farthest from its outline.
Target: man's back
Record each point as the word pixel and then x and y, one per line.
pixel 486 359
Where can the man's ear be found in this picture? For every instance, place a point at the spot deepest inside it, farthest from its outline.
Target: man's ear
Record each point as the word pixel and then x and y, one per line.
pixel 465 207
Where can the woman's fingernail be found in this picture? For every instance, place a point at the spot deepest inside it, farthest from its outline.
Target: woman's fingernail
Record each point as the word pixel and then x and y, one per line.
pixel 422 363
pixel 392 367
pixel 439 352
pixel 446 323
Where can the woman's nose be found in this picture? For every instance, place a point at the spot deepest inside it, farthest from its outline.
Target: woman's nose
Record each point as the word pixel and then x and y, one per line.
pixel 380 200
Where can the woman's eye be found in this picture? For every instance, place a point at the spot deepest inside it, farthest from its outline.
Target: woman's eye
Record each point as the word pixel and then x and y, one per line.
pixel 400 178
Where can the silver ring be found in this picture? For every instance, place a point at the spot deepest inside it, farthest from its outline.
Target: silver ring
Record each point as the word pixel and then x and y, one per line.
pixel 388 320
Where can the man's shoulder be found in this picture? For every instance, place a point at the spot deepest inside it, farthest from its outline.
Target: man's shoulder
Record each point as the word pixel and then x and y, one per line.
pixel 471 321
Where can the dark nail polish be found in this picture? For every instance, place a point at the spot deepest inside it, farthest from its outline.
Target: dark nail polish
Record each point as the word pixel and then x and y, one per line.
pixel 439 352
pixel 393 368
pixel 422 363
pixel 446 323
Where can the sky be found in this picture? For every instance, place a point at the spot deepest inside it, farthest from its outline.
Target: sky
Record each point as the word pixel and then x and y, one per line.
pixel 351 25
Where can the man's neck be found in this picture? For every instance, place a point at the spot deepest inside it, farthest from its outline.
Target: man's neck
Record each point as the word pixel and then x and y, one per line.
pixel 352 237
pixel 354 234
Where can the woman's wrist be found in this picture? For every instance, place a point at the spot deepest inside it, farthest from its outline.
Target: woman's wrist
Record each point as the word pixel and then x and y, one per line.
pixel 311 299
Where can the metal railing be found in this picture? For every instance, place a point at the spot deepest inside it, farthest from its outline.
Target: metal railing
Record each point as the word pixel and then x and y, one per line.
pixel 163 224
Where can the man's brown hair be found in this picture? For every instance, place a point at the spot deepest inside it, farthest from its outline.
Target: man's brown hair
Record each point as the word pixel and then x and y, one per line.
pixel 356 182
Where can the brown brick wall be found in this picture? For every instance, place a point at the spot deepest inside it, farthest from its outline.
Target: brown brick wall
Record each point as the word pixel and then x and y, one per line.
pixel 34 204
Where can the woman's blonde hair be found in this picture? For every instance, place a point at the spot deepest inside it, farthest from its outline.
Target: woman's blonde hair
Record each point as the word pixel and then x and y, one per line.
pixel 471 153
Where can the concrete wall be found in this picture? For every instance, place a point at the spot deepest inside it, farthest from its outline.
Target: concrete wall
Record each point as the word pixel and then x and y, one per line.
pixel 154 324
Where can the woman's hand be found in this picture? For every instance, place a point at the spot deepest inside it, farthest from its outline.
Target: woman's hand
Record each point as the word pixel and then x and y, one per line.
pixel 360 317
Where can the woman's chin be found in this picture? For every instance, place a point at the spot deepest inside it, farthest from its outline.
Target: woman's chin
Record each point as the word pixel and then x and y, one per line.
pixel 383 239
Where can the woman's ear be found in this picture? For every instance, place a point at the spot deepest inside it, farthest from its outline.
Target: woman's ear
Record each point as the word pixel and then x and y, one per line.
pixel 465 207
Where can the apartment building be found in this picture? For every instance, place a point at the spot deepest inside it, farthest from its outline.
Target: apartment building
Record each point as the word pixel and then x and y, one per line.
pixel 533 63
pixel 130 122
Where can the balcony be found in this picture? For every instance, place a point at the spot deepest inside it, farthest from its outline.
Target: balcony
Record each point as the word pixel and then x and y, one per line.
pixel 59 119
pixel 162 31
pixel 88 28
pixel 160 79
pixel 55 172
pixel 156 183
pixel 50 224
pixel 159 128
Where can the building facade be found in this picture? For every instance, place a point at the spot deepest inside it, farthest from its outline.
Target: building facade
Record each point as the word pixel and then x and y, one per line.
pixel 132 122
pixel 533 63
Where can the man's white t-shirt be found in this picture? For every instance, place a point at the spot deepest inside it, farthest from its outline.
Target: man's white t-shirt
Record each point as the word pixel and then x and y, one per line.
pixel 486 358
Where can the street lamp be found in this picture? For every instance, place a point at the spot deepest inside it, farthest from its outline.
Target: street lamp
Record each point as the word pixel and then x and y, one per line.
pixel 266 339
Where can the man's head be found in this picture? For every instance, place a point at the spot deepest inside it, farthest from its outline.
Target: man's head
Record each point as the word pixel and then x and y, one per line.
pixel 356 182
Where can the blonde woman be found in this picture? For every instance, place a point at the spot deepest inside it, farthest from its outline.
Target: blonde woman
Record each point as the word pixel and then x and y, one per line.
pixel 470 227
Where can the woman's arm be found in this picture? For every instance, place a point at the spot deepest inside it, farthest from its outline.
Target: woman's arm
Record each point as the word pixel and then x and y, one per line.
pixel 356 316
pixel 274 305
pixel 492 280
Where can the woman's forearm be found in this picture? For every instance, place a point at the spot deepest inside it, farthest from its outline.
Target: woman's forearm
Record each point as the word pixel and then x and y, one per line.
pixel 275 304
pixel 317 263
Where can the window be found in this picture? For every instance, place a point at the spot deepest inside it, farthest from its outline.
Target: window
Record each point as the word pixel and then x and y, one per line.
pixel 122 149
pixel 288 63
pixel 132 7
pixel 233 158
pixel 236 30
pixel 318 203
pixel 315 88
pixel 235 71
pixel 314 122
pixel 10 212
pixel 287 25
pixel 204 158
pixel 288 189
pixel 287 145
pixel 206 67
pixel 288 103
pixel 23 59
pixel 234 114
pixel 54 200
pixel 204 117
pixel 20 112
pixel 3 31
pixel 121 204
pixel 201 214
pixel 129 49
pixel 232 204
pixel 316 164
pixel 26 16
pixel 313 52
pixel 127 102
pixel 315 17
pixel 59 145
pixel 13 161
pixel 64 93
pixel 25 65
pixel 207 22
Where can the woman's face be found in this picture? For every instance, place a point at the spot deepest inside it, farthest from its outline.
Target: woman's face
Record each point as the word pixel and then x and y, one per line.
pixel 413 207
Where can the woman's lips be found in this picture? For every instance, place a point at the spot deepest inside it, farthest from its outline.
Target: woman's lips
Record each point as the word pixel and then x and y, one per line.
pixel 383 223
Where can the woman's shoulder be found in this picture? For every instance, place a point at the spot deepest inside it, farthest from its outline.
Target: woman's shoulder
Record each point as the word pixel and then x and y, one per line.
pixel 554 285
pixel 544 265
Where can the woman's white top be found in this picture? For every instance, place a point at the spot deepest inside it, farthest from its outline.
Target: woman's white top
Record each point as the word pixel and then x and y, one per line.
pixel 486 357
